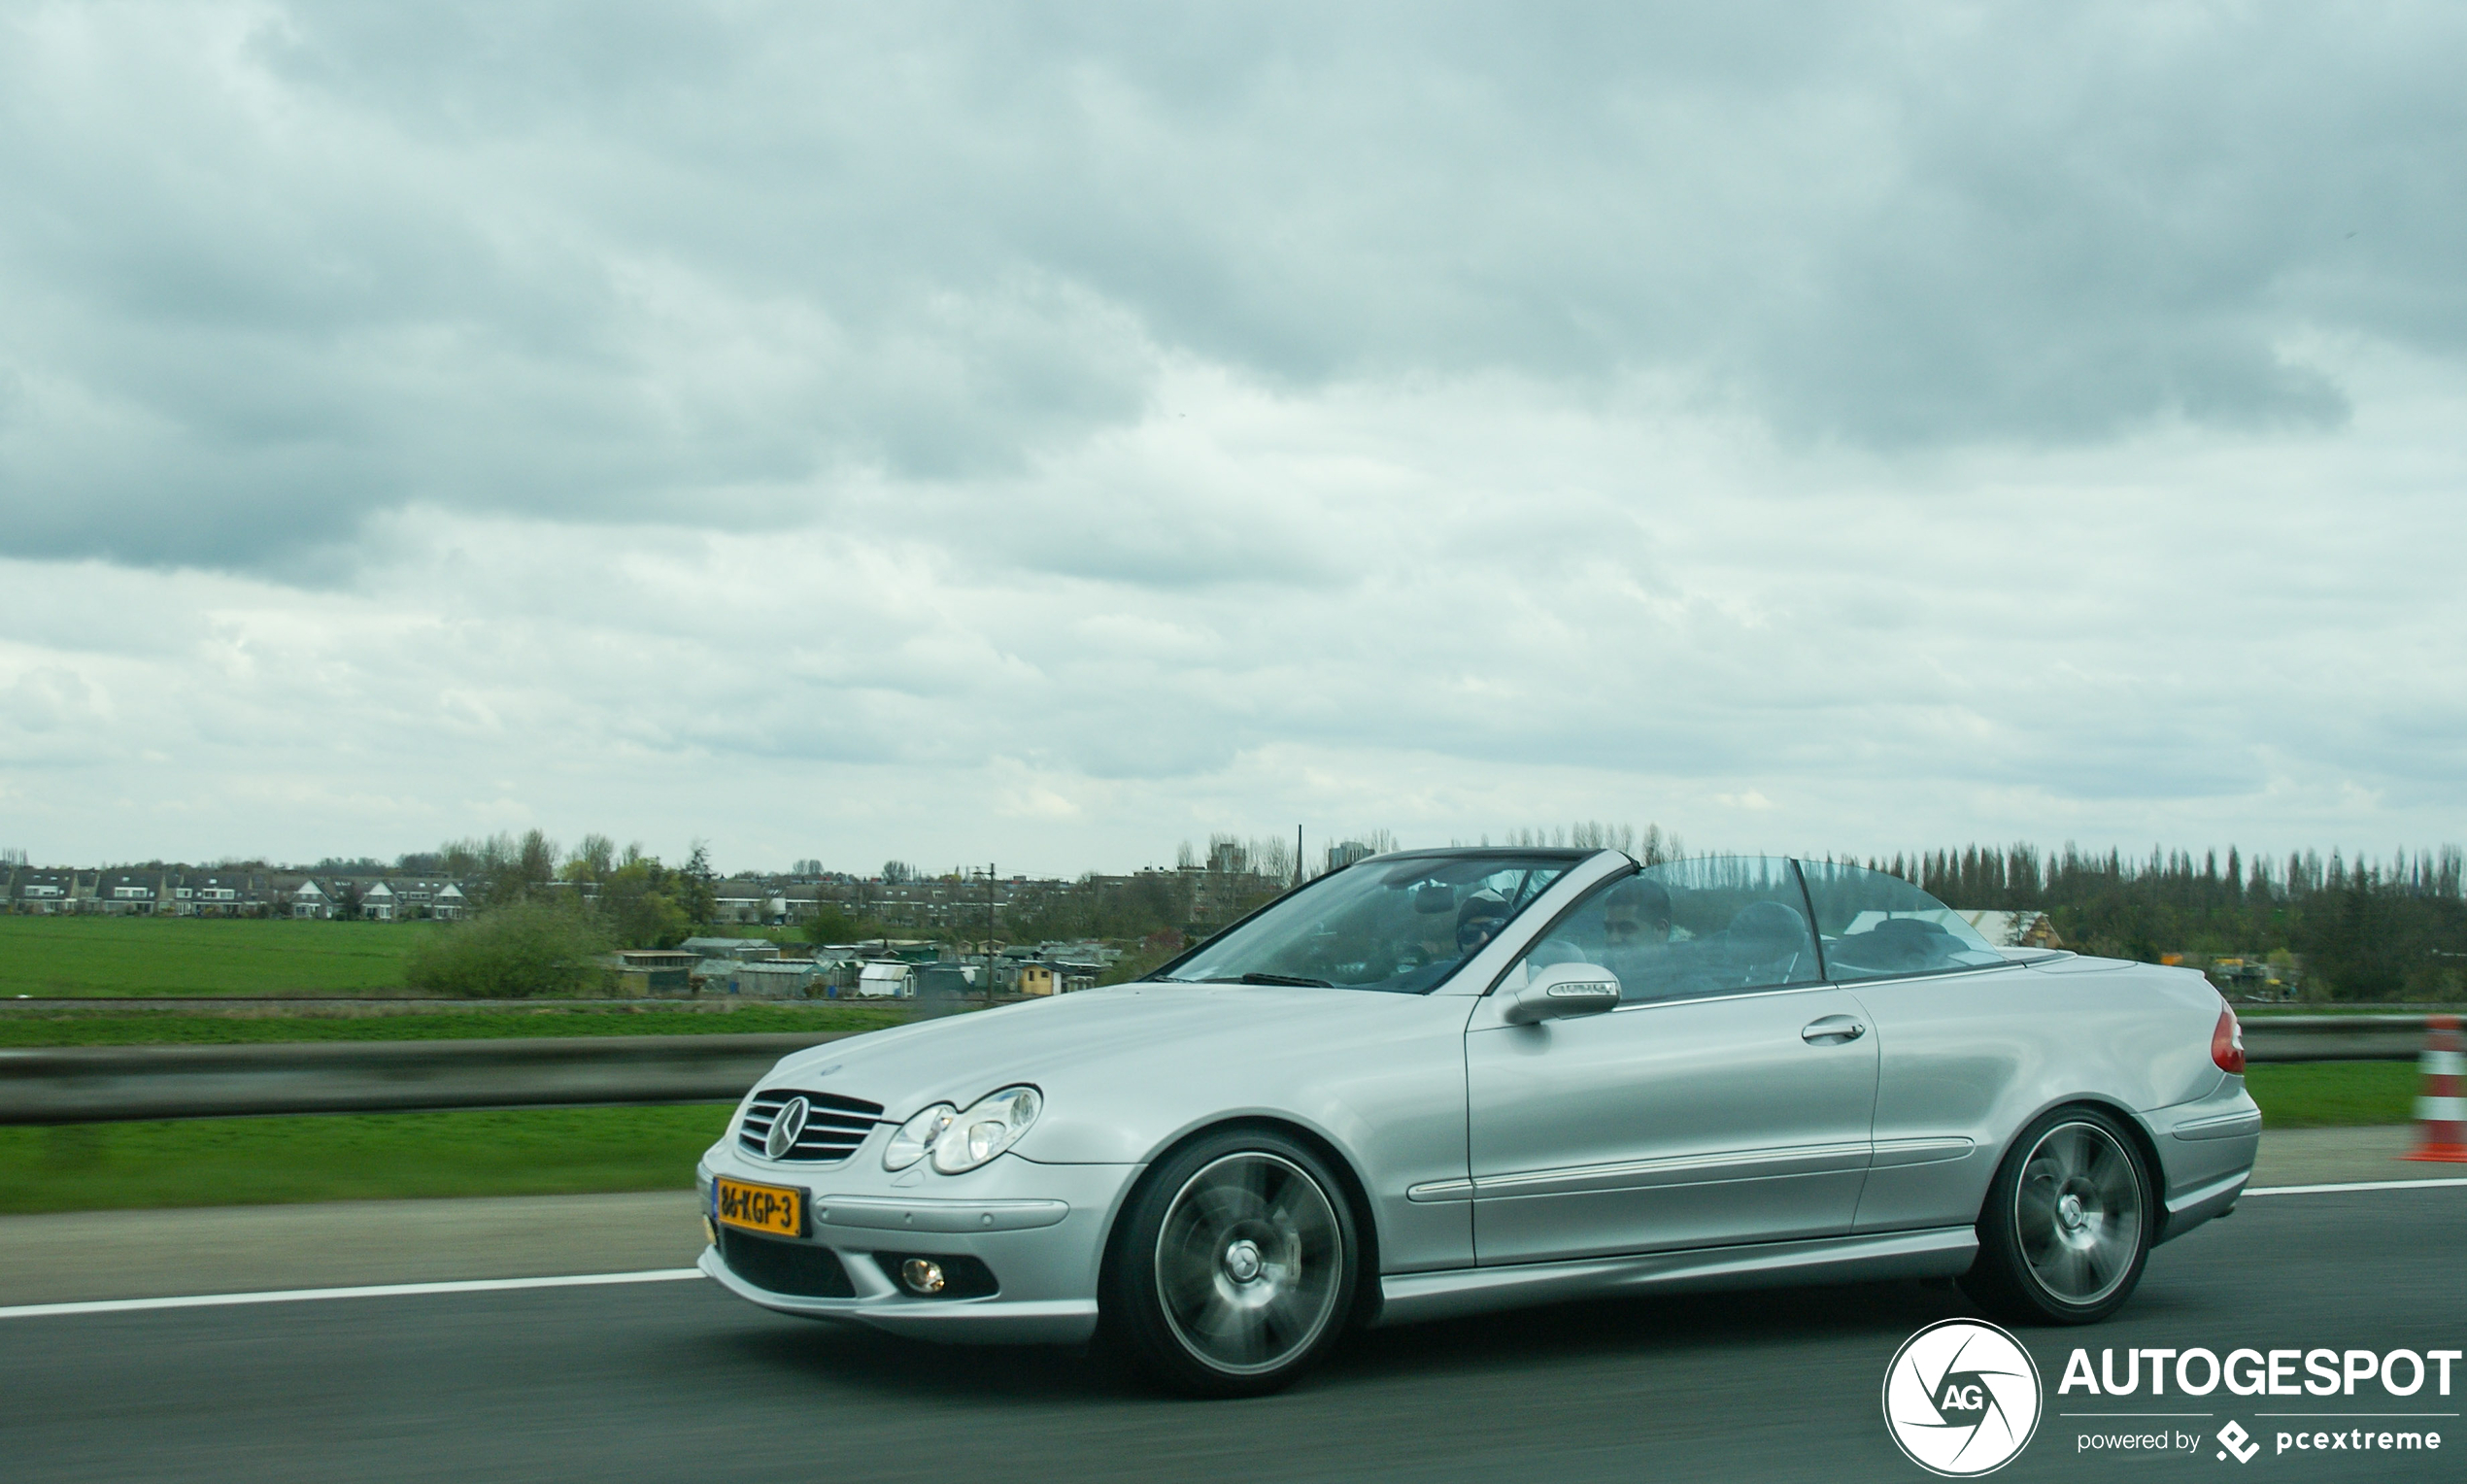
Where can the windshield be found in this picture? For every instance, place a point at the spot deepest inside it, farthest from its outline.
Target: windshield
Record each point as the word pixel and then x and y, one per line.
pixel 1395 923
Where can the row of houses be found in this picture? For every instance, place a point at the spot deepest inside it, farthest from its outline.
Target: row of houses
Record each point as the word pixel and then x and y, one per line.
pixel 756 968
pixel 178 892
pixel 1214 891
pixel 929 905
pixel 950 904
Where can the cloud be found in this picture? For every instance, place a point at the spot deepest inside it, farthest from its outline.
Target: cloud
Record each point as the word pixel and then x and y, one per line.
pixel 1510 612
pixel 277 268
pixel 861 432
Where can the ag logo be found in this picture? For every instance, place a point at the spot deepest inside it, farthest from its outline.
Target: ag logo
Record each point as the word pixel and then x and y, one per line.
pixel 1960 1397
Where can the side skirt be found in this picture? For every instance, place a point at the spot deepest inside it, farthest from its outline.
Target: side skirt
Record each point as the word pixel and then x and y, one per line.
pixel 1944 1252
pixel 2193 1208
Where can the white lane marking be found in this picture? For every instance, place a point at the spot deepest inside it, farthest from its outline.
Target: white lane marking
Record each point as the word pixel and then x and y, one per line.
pixel 2361 1185
pixel 677 1275
pixel 375 1290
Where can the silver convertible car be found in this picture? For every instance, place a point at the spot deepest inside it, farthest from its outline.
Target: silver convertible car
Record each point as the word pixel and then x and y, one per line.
pixel 1438 1082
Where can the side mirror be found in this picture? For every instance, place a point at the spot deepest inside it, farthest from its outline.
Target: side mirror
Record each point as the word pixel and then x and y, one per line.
pixel 1564 989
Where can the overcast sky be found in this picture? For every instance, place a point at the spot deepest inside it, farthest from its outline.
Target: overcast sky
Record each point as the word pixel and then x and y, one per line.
pixel 1043 435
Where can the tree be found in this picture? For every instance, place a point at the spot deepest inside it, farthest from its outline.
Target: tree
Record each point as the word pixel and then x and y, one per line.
pixel 637 907
pixel 521 949
pixel 695 888
pixel 832 923
pixel 534 861
pixel 593 861
pixel 508 868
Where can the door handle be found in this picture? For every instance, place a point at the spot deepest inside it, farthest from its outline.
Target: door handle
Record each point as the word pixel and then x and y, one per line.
pixel 1832 1030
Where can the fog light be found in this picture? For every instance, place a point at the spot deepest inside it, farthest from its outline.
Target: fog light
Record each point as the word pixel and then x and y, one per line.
pixel 710 1232
pixel 923 1275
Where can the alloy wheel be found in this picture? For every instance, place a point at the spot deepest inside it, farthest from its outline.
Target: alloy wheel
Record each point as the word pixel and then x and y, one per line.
pixel 2078 1212
pixel 1249 1262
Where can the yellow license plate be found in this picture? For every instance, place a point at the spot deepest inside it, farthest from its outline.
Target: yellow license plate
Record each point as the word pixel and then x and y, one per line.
pixel 759 1207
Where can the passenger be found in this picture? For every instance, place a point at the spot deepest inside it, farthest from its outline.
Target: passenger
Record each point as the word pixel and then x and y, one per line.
pixel 1767 944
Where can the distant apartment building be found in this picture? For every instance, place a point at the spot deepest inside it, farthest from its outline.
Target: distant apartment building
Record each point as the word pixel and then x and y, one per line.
pixel 750 903
pixel 35 890
pixel 130 894
pixel 308 899
pixel 217 894
pixel 408 898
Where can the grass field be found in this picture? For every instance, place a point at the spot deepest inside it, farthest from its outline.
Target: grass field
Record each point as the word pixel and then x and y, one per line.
pixel 383 1156
pixel 84 955
pixel 2326 1095
pixel 174 1028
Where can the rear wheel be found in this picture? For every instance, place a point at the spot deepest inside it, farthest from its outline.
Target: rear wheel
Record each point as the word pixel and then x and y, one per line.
pixel 1233 1267
pixel 2068 1224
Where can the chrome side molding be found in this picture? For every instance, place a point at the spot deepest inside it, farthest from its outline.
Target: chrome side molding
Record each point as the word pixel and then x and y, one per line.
pixel 1944 1252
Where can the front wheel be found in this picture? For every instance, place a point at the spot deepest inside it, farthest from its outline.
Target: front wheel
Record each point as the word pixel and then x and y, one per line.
pixel 2068 1224
pixel 1233 1267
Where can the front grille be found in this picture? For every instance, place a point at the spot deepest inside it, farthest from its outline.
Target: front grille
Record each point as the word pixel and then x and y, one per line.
pixel 834 1125
pixel 785 1268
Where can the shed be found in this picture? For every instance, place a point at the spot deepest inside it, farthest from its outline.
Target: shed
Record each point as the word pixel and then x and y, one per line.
pixel 887 977
pixel 656 972
pixel 785 979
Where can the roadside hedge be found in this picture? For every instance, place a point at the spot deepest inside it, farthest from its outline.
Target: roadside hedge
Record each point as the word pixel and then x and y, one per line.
pixel 521 949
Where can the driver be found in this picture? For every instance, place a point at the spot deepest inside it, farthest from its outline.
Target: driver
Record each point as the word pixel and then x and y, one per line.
pixel 1636 934
pixel 1480 919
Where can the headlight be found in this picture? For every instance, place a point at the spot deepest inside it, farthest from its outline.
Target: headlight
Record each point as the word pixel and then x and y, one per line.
pixel 994 1124
pixel 917 1136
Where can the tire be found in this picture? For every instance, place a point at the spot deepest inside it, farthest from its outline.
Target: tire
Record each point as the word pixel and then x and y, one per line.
pixel 1234 1268
pixel 2068 1224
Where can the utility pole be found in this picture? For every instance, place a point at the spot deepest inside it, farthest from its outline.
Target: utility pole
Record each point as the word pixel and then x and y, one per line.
pixel 1298 854
pixel 989 933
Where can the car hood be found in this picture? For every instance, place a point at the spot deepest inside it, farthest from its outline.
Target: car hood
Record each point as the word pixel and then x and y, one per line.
pixel 1074 1039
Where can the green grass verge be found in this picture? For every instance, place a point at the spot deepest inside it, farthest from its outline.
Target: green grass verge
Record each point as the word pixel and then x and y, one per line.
pixel 82 956
pixel 382 1156
pixel 571 1151
pixel 2327 1095
pixel 188 1029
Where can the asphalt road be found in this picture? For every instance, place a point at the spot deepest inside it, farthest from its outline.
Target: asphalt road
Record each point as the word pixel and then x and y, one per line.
pixel 677 1381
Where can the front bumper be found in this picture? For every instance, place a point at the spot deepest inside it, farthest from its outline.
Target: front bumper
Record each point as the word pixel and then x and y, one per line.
pixel 1041 1229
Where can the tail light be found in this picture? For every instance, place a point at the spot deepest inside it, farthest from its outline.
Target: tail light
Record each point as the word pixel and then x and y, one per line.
pixel 2227 1042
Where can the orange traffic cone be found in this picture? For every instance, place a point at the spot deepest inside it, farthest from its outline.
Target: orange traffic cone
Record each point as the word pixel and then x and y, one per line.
pixel 2442 1111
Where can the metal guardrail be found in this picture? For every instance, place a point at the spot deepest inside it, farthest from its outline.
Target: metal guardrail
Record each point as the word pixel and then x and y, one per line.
pixel 101 1084
pixel 2334 1037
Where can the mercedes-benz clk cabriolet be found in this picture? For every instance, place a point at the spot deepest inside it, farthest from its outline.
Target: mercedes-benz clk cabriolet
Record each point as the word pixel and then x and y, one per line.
pixel 1438 1082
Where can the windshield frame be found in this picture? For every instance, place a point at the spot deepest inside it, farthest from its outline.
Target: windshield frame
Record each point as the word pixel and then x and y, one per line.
pixel 1571 864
